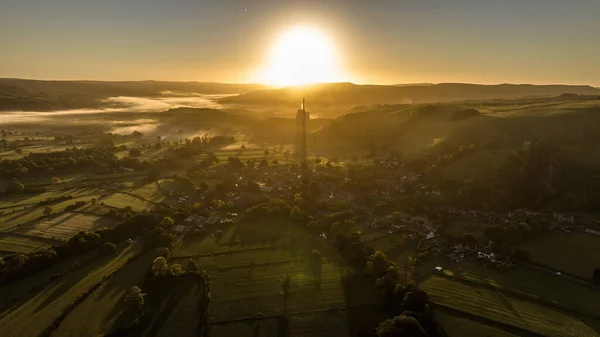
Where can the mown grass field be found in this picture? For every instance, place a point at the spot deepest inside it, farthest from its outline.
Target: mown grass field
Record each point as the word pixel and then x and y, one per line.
pixel 577 253
pixel 247 263
pixel 15 293
pixel 37 312
pixel 120 200
pixel 533 282
pixel 27 214
pixel 171 308
pixel 505 309
pixel 149 191
pixel 103 311
pixel 65 225
pixel 322 324
pixel 456 326
pixel 23 244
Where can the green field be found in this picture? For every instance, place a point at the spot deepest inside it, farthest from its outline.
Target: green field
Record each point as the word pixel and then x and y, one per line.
pixel 120 200
pixel 456 326
pixel 505 309
pixel 321 324
pixel 30 199
pixel 102 312
pixel 37 312
pixel 31 213
pixel 577 253
pixel 246 265
pixel 149 191
pixel 535 283
pixel 16 293
pixel 171 308
pixel 65 225
pixel 23 244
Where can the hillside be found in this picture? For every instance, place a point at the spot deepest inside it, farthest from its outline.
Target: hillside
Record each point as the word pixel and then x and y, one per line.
pixel 35 95
pixel 331 95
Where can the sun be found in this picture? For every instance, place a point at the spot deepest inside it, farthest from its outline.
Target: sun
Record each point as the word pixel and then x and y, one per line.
pixel 302 55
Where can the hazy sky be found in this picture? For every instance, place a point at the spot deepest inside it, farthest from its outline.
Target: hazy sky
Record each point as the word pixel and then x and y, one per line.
pixel 379 41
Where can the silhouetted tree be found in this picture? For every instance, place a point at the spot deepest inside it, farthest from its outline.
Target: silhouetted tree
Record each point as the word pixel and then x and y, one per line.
pixel 160 266
pixel 400 326
pixel 596 276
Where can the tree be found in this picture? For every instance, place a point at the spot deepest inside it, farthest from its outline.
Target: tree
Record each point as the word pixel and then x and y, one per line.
pixel 314 188
pixel 285 286
pixel 400 326
pixel 167 222
pixel 162 251
pixel 48 210
pixel 175 270
pixel 93 201
pixel 135 297
pixel 15 186
pixel 135 153
pixel 469 239
pixel 193 267
pixel 243 147
pixel 160 266
pixel 107 248
pixel 267 153
pixel 596 276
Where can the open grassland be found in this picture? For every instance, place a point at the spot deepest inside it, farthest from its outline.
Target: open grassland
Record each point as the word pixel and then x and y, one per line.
pixel 496 306
pixel 15 293
pixel 244 292
pixel 149 191
pixel 321 324
pixel 456 326
pixel 26 214
pixel 65 225
pixel 477 166
pixel 531 282
pixel 577 253
pixel 247 263
pixel 103 311
pixel 120 200
pixel 15 243
pixel 32 199
pixel 247 236
pixel 154 154
pixel 37 312
pixel 171 309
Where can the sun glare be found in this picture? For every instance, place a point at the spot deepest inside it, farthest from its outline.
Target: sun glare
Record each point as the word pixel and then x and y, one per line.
pixel 302 55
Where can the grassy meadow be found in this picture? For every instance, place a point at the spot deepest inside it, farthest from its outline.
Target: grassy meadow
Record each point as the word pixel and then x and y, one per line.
pixel 36 313
pixel 500 307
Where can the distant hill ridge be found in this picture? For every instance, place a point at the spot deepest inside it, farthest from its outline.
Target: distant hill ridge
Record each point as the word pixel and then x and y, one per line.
pixel 349 94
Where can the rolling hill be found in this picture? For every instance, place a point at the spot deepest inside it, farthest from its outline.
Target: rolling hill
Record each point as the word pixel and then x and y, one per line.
pixel 331 95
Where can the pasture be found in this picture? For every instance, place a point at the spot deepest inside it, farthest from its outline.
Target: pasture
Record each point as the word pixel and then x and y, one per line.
pixel 247 263
pixel 32 212
pixel 65 225
pixel 531 282
pixel 40 309
pixel 121 200
pixel 577 253
pixel 456 326
pixel 103 311
pixel 149 191
pixel 15 243
pixel 505 309
pixel 171 308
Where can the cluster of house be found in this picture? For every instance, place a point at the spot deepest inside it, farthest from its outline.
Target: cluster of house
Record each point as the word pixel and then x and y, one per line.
pixel 489 259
